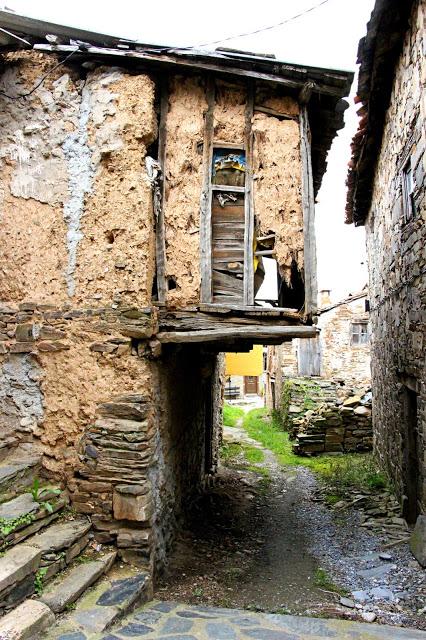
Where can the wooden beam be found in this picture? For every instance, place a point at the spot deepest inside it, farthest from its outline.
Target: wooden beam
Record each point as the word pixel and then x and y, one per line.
pixel 306 92
pixel 168 61
pixel 308 205
pixel 160 240
pixel 248 199
pixel 257 333
pixel 250 310
pixel 206 197
pixel 275 113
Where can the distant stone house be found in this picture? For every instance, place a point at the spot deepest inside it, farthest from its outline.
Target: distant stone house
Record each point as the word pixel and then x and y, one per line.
pixel 141 187
pixel 340 352
pixel 386 193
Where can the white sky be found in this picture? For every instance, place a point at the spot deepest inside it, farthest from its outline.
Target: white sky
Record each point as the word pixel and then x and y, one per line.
pixel 326 37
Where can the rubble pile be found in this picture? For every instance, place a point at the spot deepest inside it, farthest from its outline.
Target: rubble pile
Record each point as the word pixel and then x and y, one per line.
pixel 328 417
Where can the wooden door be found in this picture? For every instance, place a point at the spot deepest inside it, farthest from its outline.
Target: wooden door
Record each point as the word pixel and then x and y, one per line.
pixel 309 357
pixel 250 384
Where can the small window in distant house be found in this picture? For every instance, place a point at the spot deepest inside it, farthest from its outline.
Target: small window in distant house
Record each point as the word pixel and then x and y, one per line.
pixel 359 333
pixel 408 190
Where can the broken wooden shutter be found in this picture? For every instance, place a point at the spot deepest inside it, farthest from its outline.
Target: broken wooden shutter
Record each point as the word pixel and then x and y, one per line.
pixel 228 225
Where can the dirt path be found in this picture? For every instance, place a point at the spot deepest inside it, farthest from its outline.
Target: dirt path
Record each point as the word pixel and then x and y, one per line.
pixel 260 540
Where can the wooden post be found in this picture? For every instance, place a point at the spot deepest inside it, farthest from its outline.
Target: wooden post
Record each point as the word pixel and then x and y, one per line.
pixel 308 204
pixel 206 197
pixel 160 240
pixel 248 201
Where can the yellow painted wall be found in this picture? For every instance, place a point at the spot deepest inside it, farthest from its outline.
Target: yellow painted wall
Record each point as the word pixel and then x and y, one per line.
pixel 245 364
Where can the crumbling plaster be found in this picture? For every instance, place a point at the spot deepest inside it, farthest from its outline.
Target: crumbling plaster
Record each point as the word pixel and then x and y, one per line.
pixel 63 147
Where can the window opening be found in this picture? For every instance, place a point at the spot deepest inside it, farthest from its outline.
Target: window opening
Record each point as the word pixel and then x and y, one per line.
pixel 408 190
pixel 359 333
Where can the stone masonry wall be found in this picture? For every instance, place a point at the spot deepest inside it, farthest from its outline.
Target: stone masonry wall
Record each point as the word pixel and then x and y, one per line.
pixel 397 262
pixel 339 357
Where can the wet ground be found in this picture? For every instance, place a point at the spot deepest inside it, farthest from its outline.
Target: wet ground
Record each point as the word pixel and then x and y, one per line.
pixel 261 540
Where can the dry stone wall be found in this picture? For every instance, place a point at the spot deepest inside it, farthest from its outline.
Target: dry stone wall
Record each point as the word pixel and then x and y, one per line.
pixel 397 265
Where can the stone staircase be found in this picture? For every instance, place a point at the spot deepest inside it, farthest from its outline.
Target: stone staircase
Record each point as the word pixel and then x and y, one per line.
pixel 48 555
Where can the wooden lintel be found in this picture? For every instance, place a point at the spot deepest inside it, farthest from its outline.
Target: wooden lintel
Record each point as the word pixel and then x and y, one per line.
pixel 256 333
pixel 273 112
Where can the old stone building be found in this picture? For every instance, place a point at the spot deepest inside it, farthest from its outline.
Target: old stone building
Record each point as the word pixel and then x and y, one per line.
pixel 386 193
pixel 141 187
pixel 341 352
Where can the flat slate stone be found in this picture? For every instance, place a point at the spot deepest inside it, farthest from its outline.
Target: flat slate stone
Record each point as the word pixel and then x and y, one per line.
pixel 220 631
pixel 123 590
pixel 135 629
pixel 72 636
pixel 18 563
pixel 375 572
pixel 58 595
pixel 193 614
pixel 164 607
pixel 20 506
pixel 149 617
pixel 26 621
pixel 418 541
pixel 269 634
pixel 60 536
pixel 177 625
pixel 95 620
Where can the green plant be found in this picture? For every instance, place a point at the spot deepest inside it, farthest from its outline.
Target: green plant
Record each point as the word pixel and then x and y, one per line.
pixel 231 415
pixel 323 581
pixel 38 580
pixel 198 592
pixel 70 606
pixel 9 525
pixel 38 492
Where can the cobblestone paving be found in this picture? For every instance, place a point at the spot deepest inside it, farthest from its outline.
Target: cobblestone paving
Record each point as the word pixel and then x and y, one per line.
pixel 172 621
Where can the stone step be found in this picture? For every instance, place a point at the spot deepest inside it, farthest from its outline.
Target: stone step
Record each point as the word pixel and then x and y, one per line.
pixel 38 559
pixel 23 516
pixel 107 602
pixel 26 622
pixel 17 471
pixel 67 588
pixel 60 543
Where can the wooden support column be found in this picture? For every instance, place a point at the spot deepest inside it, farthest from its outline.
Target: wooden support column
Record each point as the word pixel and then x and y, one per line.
pixel 248 201
pixel 308 204
pixel 206 197
pixel 160 236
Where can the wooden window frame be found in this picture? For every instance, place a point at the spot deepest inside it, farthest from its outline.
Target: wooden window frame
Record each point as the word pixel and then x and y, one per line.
pixel 360 334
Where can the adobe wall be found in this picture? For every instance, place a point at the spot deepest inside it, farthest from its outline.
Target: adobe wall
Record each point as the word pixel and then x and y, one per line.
pixel 397 264
pixel 80 367
pixel 276 175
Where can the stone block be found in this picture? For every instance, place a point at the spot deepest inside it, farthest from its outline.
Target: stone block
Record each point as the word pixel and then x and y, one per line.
pixel 17 563
pixel 22 347
pixel 129 504
pixel 27 621
pixel 418 541
pixel 128 537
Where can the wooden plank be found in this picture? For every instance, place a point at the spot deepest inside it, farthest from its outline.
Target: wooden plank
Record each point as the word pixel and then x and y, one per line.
pixel 227 284
pixel 248 202
pixel 308 206
pixel 226 231
pixel 274 113
pixel 228 255
pixel 245 333
pixel 206 198
pixel 229 145
pixel 223 298
pixel 228 189
pixel 160 237
pixel 252 310
pixel 168 61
